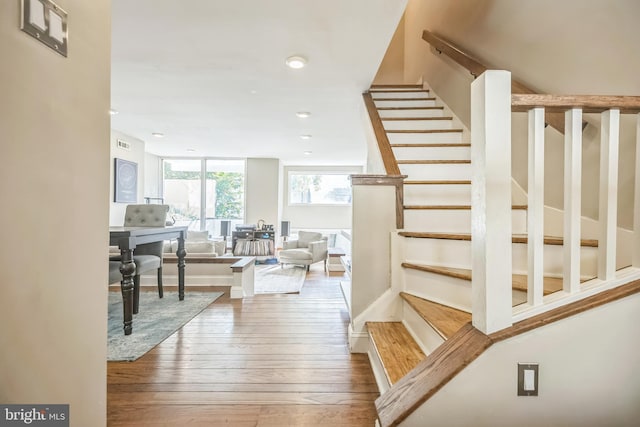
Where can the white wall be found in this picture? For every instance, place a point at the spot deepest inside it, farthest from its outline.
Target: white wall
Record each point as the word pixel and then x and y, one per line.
pixel 54 182
pixel 587 376
pixel 262 184
pixel 316 217
pixel 137 155
pixel 152 175
pixel 566 47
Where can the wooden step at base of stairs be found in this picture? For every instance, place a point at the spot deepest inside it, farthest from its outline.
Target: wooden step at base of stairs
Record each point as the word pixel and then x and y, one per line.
pixel 399 86
pixel 445 320
pixel 519 281
pixel 516 238
pixel 396 348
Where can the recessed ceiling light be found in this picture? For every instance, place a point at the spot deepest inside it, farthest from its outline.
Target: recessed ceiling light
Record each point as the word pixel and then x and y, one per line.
pixel 253 91
pixel 303 114
pixel 296 62
pixel 305 136
pixel 308 153
pixel 191 150
pixel 113 112
pixel 158 134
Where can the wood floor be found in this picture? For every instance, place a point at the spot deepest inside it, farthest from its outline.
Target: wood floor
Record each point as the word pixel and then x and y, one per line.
pixel 270 360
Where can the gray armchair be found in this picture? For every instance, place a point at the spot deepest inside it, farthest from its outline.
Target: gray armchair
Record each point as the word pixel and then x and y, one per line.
pixel 309 248
pixel 149 255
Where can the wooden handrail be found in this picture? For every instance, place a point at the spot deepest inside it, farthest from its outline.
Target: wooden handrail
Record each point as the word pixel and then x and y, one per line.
pixel 388 158
pixel 588 103
pixel 476 68
pixel 443 364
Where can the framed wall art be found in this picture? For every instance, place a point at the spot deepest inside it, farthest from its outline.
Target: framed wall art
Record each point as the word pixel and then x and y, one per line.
pixel 125 186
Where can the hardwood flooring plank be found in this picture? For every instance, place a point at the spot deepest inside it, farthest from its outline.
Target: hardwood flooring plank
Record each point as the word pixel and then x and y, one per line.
pixel 268 360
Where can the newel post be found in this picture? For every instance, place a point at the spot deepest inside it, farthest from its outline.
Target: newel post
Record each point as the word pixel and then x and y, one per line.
pixel 491 200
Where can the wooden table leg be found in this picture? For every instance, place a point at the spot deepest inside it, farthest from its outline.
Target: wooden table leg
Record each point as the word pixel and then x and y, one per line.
pixel 181 253
pixel 128 270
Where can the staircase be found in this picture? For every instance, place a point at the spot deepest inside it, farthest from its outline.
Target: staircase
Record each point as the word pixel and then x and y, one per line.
pixel 433 264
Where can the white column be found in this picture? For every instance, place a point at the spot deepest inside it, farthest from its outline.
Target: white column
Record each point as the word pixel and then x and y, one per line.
pixel 572 199
pixel 491 200
pixel 608 213
pixel 636 204
pixel 535 208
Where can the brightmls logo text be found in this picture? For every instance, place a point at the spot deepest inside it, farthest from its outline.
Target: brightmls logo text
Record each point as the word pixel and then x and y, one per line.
pixel 36 415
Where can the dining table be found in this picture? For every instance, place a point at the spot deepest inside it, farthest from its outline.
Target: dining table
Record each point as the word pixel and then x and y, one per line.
pixel 127 238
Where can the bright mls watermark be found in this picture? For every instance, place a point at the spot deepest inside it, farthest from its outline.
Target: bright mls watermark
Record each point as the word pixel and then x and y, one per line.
pixel 34 415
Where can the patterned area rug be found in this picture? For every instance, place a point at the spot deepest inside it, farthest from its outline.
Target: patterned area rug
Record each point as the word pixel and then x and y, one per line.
pixel 156 320
pixel 273 279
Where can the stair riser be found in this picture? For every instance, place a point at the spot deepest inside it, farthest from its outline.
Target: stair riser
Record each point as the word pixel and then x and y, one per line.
pixel 425 138
pixel 432 153
pixel 410 113
pixel 454 221
pixel 447 290
pixel 378 369
pixel 437 288
pixel 448 171
pixel 404 103
pixel 417 124
pixel 437 194
pixel 457 254
pixel 399 94
pixel 426 337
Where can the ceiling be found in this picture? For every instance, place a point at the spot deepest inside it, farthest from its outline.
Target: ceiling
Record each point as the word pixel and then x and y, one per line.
pixel 211 76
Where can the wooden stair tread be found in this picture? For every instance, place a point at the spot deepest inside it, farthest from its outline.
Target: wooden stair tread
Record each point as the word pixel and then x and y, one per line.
pixel 404 86
pixel 445 320
pixel 396 348
pixel 384 119
pixel 453 207
pixel 433 162
pixel 406 90
pixel 430 375
pixel 410 108
pixel 442 144
pixel 517 238
pixel 518 281
pixel 425 131
pixel 438 182
pixel 427 98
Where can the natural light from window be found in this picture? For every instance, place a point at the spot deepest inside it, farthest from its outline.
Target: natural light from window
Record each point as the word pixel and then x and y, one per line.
pixel 312 188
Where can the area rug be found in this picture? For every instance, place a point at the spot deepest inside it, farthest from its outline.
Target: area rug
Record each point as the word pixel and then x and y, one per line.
pixel 156 320
pixel 273 279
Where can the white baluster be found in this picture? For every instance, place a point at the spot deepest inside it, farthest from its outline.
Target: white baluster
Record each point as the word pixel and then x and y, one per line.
pixel 491 200
pixel 608 212
pixel 572 199
pixel 535 208
pixel 636 204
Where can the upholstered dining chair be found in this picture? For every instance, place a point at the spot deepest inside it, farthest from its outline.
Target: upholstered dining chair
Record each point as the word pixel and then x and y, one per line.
pixel 149 255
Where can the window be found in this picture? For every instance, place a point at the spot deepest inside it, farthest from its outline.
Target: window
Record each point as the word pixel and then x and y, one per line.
pixel 319 188
pixel 202 192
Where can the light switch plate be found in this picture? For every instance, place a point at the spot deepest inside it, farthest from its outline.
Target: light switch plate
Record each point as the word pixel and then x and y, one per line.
pixel 527 379
pixel 46 22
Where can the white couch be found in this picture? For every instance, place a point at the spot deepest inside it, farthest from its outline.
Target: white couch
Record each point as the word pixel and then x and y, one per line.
pixel 198 243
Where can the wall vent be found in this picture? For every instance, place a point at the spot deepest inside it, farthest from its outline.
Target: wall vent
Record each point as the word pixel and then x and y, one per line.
pixel 124 145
